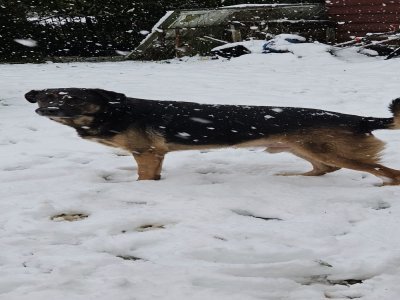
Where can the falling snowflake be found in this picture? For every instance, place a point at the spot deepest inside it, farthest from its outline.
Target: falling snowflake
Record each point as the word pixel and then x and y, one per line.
pixel 26 42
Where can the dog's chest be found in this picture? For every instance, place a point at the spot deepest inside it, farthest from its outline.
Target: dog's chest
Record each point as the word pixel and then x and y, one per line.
pixel 132 140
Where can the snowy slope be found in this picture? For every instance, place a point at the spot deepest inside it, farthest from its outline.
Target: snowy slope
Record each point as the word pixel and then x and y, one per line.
pixel 219 225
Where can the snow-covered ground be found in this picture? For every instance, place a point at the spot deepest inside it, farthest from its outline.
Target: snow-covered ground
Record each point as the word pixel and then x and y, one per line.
pixel 220 225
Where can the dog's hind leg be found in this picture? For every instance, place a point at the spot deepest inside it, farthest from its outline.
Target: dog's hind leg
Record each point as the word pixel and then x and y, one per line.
pixel 319 168
pixel 346 149
pixel 388 175
pixel 149 165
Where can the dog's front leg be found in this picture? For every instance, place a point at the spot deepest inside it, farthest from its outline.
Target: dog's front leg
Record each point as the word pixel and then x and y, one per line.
pixel 149 165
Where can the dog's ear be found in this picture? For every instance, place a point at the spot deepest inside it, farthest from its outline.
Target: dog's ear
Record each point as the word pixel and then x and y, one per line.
pixel 111 96
pixel 31 96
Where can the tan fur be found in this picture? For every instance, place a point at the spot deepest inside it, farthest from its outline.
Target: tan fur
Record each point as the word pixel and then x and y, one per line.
pixel 274 140
pixel 75 122
pixel 327 150
pixel 396 122
pixel 149 165
pixel 147 149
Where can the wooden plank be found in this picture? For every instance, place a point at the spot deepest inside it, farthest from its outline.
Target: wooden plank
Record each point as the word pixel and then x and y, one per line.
pixel 363 9
pixel 296 12
pixel 367 27
pixel 367 18
pixel 148 42
pixel 361 2
pixel 345 36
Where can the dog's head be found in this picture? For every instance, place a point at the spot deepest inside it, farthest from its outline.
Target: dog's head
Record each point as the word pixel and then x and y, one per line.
pixel 72 102
pixel 74 106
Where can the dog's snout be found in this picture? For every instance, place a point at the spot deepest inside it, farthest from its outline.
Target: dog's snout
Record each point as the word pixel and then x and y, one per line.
pixel 31 96
pixel 46 111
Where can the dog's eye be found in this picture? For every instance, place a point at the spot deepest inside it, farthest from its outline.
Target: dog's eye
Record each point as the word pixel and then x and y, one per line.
pixel 73 102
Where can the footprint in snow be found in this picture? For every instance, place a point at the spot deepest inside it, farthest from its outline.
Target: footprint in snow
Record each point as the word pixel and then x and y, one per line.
pixel 245 213
pixel 380 205
pixel 8 142
pixel 324 279
pixel 149 227
pixel 16 168
pixel 135 202
pixel 212 170
pixel 115 178
pixel 80 160
pixel 3 103
pixel 69 217
pixel 31 128
pixel 129 257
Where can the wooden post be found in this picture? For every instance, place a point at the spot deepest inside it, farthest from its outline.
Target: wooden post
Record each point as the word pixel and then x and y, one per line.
pixel 236 34
pixel 177 42
pixel 330 35
pixel 161 37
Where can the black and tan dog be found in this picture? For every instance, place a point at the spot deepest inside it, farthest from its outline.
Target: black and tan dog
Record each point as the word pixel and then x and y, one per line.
pixel 149 129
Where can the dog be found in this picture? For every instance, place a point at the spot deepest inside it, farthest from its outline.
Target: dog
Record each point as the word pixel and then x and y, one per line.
pixel 149 129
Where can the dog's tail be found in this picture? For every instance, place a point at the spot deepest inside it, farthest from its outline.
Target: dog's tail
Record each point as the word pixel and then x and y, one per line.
pixel 369 124
pixel 395 109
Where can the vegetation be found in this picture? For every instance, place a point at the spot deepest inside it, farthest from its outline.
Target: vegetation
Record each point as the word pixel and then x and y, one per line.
pixel 82 27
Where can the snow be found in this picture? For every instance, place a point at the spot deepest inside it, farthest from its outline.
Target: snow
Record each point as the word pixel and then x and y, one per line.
pixel 122 53
pixel 26 42
pixel 255 46
pixel 59 21
pixel 144 32
pixel 75 223
pixel 281 42
pixel 200 120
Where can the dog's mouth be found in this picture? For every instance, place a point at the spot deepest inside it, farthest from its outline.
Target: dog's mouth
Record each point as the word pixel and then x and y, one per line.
pixel 56 112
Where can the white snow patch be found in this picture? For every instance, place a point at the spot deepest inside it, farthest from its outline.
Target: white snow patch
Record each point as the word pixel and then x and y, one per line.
pixel 27 42
pixel 280 42
pixel 201 120
pixel 183 135
pixel 122 53
pixel 255 46
pixel 219 225
pixel 144 32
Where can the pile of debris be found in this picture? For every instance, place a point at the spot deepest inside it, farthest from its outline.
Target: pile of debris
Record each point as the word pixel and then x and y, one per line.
pixel 383 44
pixel 196 32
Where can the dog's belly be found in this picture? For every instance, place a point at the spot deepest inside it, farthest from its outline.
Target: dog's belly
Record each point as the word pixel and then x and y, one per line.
pixel 273 142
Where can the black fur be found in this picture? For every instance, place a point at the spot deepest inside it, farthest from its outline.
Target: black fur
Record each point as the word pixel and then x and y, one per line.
pixel 202 124
pixel 395 107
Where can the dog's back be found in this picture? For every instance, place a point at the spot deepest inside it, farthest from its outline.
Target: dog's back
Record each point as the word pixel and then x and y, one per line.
pixel 205 124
